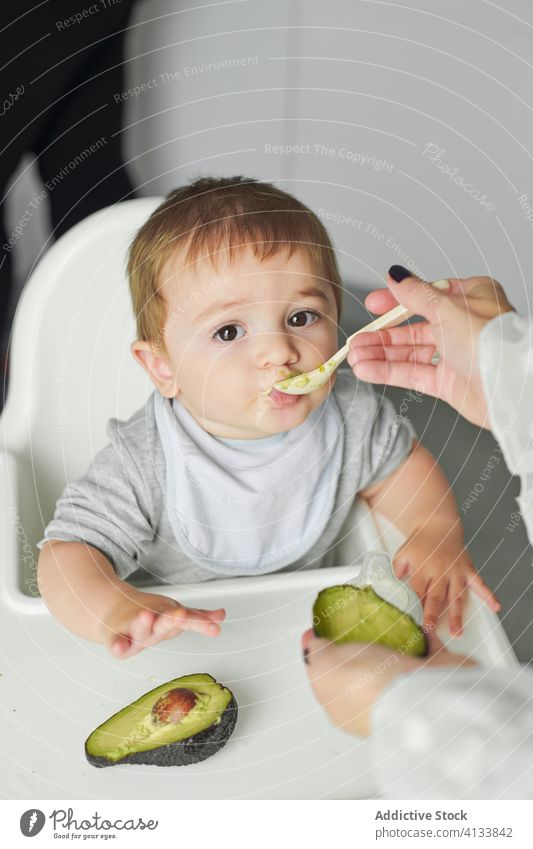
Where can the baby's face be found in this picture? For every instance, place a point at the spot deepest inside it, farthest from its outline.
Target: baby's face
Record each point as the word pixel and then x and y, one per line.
pixel 233 333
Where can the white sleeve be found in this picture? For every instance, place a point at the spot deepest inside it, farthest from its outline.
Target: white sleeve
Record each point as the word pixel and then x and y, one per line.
pixel 448 733
pixel 506 368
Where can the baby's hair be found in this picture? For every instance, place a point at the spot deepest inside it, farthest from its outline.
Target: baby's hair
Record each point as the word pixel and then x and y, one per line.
pixel 213 218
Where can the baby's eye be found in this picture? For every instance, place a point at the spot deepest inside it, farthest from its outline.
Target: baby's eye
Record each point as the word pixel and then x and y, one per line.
pixel 302 318
pixel 229 333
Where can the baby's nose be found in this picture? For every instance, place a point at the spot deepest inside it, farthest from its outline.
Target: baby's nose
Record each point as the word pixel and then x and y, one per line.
pixel 276 349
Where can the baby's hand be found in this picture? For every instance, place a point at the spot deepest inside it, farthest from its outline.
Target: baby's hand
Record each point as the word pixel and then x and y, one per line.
pixel 142 621
pixel 440 570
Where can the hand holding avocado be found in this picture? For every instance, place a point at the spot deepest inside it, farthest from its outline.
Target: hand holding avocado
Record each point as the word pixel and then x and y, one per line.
pixel 145 619
pixel 348 679
pixel 350 614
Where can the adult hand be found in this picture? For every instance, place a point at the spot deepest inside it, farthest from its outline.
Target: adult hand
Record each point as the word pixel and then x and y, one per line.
pixel 347 679
pixel 401 356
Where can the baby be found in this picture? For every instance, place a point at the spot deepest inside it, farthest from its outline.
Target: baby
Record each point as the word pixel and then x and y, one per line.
pixel 235 286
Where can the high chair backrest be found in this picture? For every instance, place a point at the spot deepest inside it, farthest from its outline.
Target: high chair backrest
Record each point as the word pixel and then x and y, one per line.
pixel 71 369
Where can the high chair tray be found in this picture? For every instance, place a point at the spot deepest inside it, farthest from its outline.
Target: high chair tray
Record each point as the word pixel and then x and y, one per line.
pixel 55 688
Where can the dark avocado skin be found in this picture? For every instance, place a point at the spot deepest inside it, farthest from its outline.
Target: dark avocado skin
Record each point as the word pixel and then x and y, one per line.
pixel 185 752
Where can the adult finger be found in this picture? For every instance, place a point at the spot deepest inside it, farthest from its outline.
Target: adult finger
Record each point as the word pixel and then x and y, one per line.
pixel 392 354
pixel 315 650
pixel 489 295
pixel 380 301
pixel 417 333
pixel 420 298
pixel 422 378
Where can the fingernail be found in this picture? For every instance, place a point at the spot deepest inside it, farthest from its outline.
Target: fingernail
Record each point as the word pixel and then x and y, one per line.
pixel 399 273
pixel 306 656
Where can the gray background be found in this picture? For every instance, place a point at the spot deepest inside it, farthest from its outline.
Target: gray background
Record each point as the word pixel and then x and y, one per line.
pixel 359 78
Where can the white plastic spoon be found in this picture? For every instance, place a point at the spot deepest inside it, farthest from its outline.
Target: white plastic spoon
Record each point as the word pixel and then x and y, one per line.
pixel 302 384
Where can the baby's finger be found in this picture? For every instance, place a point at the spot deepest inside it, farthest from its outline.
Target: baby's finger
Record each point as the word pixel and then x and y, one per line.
pixel 217 615
pixel 196 620
pixel 478 585
pixel 434 602
pixel 118 645
pixel 140 628
pixel 214 615
pixel 123 648
pixel 166 626
pixel 419 584
pixel 455 607
pixel 401 568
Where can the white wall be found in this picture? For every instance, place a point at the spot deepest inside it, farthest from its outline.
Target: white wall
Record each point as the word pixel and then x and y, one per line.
pixel 375 80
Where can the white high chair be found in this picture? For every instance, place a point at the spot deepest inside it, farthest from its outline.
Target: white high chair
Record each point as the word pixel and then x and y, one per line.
pixel 72 370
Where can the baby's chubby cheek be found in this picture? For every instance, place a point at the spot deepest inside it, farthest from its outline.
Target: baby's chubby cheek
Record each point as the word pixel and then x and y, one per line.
pixel 216 388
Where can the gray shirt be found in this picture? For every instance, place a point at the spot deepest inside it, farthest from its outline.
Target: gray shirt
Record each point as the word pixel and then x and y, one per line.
pixel 120 507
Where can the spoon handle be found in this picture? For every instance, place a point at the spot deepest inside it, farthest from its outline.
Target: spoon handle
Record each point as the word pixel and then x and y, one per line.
pixel 394 315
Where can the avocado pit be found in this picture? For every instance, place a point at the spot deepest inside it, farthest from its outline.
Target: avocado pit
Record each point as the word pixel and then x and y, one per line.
pixel 173 706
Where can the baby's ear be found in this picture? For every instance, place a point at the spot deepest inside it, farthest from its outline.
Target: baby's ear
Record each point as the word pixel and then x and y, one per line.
pixel 157 367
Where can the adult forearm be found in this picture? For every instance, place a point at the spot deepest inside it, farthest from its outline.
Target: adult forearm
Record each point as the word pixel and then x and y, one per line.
pixel 80 587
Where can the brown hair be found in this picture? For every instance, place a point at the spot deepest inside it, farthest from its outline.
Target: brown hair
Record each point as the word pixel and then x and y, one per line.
pixel 213 215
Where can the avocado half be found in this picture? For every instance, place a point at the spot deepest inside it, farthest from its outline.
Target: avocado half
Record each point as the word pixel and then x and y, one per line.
pixel 179 723
pixel 346 614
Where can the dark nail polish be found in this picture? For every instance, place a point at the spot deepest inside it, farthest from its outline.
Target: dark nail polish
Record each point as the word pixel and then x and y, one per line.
pixel 306 656
pixel 399 273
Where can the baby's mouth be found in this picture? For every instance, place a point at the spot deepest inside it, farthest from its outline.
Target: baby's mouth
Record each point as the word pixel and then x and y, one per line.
pixel 282 399
pixel 270 388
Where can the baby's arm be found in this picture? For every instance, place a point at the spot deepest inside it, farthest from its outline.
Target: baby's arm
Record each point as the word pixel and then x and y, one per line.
pixel 83 592
pixel 417 498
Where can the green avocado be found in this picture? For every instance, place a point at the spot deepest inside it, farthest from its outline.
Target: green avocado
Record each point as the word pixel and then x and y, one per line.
pixel 346 614
pixel 179 723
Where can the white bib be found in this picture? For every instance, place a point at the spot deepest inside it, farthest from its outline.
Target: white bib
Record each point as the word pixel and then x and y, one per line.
pixel 249 506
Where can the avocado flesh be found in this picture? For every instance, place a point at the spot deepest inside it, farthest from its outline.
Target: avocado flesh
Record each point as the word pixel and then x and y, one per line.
pixel 134 735
pixel 347 614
